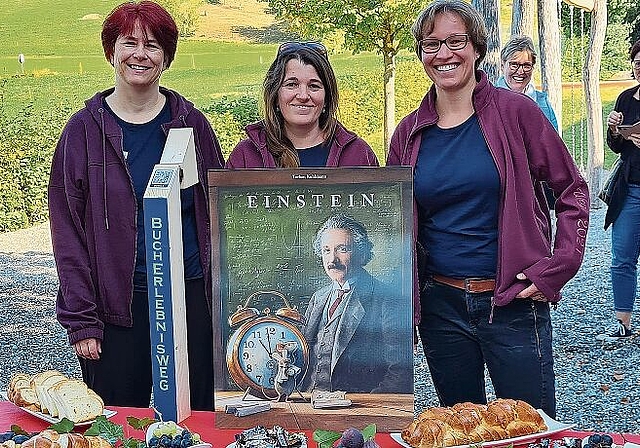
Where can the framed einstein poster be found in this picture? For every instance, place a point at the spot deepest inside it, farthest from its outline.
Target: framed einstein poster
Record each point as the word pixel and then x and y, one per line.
pixel 312 294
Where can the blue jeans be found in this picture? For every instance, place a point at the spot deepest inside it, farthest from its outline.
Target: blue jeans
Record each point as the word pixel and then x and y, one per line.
pixel 458 341
pixel 625 248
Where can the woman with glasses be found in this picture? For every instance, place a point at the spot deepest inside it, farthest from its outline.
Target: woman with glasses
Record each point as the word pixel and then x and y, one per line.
pixel 624 207
pixel 300 127
pixel 488 269
pixel 99 173
pixel 518 60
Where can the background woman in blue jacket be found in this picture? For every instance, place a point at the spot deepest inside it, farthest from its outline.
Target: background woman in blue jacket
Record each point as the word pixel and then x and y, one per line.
pixel 99 172
pixel 518 57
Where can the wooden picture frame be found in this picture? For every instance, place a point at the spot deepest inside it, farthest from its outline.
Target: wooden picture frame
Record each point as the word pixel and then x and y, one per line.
pixel 270 286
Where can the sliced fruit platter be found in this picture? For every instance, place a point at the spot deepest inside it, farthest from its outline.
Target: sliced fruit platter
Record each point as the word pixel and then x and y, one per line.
pixel 105 434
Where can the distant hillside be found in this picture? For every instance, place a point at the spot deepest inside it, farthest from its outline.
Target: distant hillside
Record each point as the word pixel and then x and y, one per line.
pixel 238 20
pixel 50 28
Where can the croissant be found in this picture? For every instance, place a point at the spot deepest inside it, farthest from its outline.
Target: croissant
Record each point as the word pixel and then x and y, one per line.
pixel 469 423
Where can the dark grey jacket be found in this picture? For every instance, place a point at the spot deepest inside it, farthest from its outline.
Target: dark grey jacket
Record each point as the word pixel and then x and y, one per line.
pixel 373 347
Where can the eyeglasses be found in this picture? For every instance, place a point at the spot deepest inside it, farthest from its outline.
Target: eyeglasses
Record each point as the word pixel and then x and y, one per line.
pixel 636 64
pixel 453 42
pixel 291 47
pixel 526 67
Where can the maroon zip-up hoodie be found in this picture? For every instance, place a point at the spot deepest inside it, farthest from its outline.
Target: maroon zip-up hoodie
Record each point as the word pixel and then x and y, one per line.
pixel 347 149
pixel 526 149
pixel 92 211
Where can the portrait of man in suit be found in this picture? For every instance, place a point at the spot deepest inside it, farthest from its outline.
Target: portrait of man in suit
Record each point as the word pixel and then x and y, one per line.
pixel 352 328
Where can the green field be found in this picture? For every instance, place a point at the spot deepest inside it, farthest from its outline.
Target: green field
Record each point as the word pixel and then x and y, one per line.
pixel 64 65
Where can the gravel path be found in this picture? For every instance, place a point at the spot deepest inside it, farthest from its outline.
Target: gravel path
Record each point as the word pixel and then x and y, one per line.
pixel 598 384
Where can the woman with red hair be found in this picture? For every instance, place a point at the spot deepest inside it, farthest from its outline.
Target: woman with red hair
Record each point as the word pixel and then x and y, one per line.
pixel 99 173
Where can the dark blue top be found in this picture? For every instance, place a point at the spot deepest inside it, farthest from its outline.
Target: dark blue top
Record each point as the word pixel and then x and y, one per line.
pixel 314 156
pixel 457 188
pixel 143 145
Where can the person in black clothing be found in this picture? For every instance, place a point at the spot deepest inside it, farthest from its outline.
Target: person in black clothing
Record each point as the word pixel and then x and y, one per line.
pixel 624 206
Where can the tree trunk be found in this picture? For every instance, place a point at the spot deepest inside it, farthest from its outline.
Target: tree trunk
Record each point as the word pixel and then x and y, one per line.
pixel 550 57
pixel 522 15
pixel 490 10
pixel 591 76
pixel 389 99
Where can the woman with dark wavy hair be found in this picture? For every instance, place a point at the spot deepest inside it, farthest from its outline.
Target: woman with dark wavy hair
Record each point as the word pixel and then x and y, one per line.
pixel 300 127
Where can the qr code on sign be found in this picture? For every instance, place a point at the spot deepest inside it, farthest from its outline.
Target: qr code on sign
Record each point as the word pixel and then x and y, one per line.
pixel 161 178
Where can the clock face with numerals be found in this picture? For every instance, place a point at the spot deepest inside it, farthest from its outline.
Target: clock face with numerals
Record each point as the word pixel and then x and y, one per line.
pixel 250 352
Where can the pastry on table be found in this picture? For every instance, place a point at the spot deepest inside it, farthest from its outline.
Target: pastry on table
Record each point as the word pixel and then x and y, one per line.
pixel 469 423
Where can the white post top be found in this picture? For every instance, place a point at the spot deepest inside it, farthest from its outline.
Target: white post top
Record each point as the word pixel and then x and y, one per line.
pixel 180 149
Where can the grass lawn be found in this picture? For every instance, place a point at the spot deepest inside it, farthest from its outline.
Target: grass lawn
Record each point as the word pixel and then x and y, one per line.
pixel 65 65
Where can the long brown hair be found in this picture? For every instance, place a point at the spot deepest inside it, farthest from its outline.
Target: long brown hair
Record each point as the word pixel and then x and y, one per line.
pixel 278 144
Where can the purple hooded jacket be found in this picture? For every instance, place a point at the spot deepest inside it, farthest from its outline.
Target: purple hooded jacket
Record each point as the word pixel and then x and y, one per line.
pixel 526 149
pixel 92 209
pixel 347 149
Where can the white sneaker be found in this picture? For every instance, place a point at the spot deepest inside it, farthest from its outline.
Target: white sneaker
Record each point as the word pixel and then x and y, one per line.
pixel 620 332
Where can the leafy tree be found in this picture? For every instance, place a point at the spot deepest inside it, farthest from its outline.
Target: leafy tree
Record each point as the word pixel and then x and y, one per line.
pixel 622 12
pixel 632 17
pixel 615 56
pixel 382 26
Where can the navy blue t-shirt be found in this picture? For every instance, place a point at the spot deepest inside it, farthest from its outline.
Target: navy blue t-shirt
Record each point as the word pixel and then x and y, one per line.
pixel 143 145
pixel 457 188
pixel 314 156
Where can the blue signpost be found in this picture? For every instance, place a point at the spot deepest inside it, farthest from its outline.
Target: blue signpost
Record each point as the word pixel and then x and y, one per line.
pixel 165 274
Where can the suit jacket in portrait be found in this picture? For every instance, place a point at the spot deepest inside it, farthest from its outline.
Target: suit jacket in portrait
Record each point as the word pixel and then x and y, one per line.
pixel 373 344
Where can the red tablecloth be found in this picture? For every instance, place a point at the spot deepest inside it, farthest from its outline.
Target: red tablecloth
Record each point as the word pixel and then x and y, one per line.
pixel 202 423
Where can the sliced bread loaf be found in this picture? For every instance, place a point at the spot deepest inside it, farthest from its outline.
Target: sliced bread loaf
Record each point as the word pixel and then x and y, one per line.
pixel 26 397
pixel 76 401
pixel 41 383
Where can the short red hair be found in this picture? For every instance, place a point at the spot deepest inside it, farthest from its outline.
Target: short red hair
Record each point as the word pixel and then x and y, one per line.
pixel 151 17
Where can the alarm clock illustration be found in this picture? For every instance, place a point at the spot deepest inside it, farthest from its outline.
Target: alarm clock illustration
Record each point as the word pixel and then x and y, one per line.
pixel 267 355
